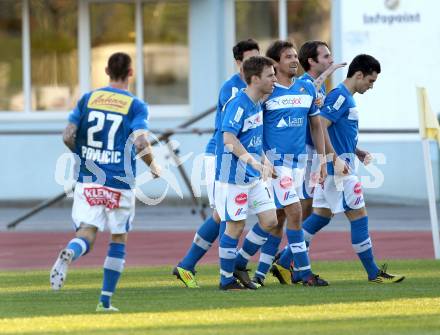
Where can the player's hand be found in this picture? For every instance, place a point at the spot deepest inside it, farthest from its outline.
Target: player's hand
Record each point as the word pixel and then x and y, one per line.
pixel 364 156
pixel 322 173
pixel 341 167
pixel 268 171
pixel 336 66
pixel 319 101
pixel 155 169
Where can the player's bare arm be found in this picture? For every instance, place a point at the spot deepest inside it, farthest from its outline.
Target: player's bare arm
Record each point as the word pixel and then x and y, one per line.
pixel 341 167
pixel 318 140
pixel 364 156
pixel 234 145
pixel 69 136
pixel 145 151
pixel 323 77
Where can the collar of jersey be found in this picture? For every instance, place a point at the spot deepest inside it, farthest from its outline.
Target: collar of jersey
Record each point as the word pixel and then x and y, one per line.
pixel 286 87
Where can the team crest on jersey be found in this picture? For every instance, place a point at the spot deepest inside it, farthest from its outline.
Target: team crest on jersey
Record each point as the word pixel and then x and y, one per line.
pixel 110 101
pixel 241 199
pixel 102 196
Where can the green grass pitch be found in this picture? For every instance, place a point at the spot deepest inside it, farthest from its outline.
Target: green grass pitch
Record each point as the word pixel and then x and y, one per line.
pixel 153 302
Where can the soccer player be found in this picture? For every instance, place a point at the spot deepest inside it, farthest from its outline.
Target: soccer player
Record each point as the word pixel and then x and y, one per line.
pixel 105 123
pixel 241 168
pixel 342 190
pixel 287 114
pixel 209 230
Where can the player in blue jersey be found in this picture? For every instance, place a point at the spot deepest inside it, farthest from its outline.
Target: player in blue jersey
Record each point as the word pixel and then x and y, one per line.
pixel 209 230
pixel 342 190
pixel 287 114
pixel 241 168
pixel 106 130
pixel 315 58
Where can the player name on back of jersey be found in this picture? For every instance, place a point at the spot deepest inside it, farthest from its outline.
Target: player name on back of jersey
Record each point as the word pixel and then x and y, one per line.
pixel 100 156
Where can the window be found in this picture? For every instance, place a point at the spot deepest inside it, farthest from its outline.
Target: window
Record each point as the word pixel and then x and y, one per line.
pixel 257 20
pixel 309 20
pixel 11 75
pixel 54 54
pixel 112 30
pixel 166 56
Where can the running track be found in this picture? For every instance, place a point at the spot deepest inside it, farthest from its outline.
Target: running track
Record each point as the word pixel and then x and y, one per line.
pixel 37 250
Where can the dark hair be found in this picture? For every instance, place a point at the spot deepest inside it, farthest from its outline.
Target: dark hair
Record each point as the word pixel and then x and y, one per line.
pixel 309 50
pixel 254 66
pixel 118 66
pixel 365 63
pixel 276 49
pixel 241 47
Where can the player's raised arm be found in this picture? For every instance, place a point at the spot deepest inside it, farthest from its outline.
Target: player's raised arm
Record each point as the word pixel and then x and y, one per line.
pixel 145 151
pixel 323 77
pixel 69 136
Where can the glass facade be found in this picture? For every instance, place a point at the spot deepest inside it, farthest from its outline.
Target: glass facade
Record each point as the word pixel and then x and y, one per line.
pixel 11 62
pixel 53 45
pixel 112 30
pixel 258 20
pixel 166 54
pixel 54 54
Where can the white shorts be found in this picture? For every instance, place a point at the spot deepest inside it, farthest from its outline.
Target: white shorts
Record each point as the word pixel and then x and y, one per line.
pixel 98 205
pixel 284 188
pixel 235 202
pixel 341 195
pixel 209 161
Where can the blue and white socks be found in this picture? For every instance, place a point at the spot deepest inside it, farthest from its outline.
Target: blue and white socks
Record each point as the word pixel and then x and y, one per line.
pixel 113 267
pixel 299 253
pixel 312 225
pixel 80 246
pixel 255 238
pixel 267 255
pixel 362 245
pixel 227 252
pixel 203 239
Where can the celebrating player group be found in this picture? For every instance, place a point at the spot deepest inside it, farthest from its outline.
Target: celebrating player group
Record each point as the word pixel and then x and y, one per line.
pixel 283 149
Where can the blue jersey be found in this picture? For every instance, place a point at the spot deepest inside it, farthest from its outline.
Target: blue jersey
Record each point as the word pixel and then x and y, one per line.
pixel 286 113
pixel 323 92
pixel 229 89
pixel 105 119
pixel 340 108
pixel 243 118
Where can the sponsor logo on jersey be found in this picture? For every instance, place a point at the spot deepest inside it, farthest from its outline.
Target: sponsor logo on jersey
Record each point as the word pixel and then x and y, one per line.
pixel 291 122
pixel 256 141
pixel 253 121
pixel 102 196
pixel 286 182
pixel 338 103
pixel 289 101
pixel 110 101
pixel 241 199
pixel 238 114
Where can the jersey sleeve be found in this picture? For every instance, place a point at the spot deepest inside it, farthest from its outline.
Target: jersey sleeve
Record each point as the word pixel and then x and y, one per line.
pixel 75 115
pixel 140 117
pixel 335 105
pixel 233 119
pixel 314 109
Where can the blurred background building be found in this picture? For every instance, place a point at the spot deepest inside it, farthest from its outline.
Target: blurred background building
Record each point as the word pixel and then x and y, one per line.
pixel 55 50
